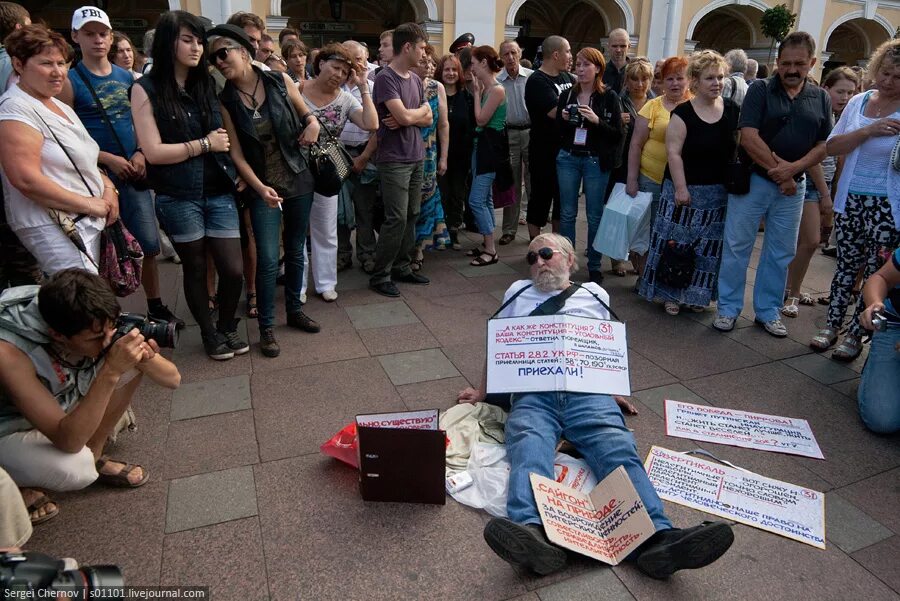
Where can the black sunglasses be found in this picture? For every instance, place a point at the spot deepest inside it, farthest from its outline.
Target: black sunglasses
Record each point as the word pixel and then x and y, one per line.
pixel 545 253
pixel 220 55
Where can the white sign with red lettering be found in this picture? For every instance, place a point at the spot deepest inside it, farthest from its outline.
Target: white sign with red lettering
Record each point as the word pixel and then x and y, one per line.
pixel 735 494
pixel 741 429
pixel 406 420
pixel 557 353
pixel 606 524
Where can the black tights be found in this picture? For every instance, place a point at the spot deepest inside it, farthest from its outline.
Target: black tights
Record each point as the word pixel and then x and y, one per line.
pixel 226 254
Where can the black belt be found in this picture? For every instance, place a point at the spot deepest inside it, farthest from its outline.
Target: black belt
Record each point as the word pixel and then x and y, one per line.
pixel 518 127
pixel 581 153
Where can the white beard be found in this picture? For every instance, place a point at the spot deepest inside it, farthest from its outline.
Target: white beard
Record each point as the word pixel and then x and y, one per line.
pixel 548 281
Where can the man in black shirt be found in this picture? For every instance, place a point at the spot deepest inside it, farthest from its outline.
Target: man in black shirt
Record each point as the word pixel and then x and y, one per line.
pixel 618 42
pixel 541 96
pixel 784 124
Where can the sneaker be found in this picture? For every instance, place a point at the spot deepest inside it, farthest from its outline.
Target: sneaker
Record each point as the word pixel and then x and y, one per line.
pixel 524 546
pixel 267 343
pixel 774 327
pixel 303 298
pixel 162 313
pixel 412 278
pixel 829 251
pixel 302 321
pixel 234 341
pixel 329 296
pixel 724 324
pixel 386 289
pixel 684 549
pixel 216 347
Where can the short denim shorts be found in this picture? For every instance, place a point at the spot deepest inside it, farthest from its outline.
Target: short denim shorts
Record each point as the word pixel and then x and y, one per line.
pixel 187 220
pixel 812 195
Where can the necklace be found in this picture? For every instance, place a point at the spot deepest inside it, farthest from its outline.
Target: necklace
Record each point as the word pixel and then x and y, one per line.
pixel 252 97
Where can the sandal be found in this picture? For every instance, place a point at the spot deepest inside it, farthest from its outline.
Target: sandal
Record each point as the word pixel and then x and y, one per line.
pixel 849 349
pixel 506 239
pixel 791 309
pixel 824 300
pixel 806 299
pixel 672 308
pixel 40 502
pixel 252 309
pixel 416 264
pixel 824 339
pixel 476 252
pixel 120 478
pixel 479 261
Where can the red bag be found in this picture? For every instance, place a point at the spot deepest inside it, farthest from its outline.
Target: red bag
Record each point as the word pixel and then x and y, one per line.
pixel 121 259
pixel 343 446
pixel 503 198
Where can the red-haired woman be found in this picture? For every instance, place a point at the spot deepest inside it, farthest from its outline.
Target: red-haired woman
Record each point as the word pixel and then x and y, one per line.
pixel 590 124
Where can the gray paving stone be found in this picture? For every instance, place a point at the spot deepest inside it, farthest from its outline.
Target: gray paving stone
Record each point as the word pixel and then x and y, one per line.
pixel 471 271
pixel 210 499
pixel 821 368
pixel 882 560
pixel 417 366
pixel 381 315
pixel 655 398
pixel 848 388
pixel 209 397
pixel 849 527
pixel 599 584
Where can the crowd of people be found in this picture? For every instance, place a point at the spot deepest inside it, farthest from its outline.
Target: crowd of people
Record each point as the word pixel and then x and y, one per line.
pixel 254 164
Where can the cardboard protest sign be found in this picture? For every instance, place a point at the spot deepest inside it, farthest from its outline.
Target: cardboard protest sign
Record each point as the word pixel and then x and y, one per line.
pixel 791 511
pixel 557 353
pixel 401 457
pixel 741 429
pixel 606 524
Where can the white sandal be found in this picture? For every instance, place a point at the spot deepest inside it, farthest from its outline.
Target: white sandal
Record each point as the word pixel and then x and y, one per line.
pixel 791 309
pixel 672 308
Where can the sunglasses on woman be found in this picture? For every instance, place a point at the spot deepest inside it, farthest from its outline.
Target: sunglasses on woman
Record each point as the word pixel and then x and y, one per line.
pixel 545 253
pixel 220 55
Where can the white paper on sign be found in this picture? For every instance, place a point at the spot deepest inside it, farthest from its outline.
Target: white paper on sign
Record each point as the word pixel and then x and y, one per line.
pixel 426 419
pixel 557 353
pixel 785 509
pixel 741 429
pixel 606 524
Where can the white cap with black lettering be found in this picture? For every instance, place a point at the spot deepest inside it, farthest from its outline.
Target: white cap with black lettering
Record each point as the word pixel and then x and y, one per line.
pixel 89 14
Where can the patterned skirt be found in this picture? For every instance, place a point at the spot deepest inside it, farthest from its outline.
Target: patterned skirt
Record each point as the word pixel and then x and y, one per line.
pixel 701 222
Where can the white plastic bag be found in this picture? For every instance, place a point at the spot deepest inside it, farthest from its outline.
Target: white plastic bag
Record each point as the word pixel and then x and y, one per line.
pixel 489 469
pixel 625 224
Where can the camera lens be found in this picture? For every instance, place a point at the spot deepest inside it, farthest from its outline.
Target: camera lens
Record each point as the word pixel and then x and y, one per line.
pixel 164 333
pixel 91 578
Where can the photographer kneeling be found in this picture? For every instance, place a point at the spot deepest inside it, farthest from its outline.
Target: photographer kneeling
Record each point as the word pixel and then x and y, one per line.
pixel 66 377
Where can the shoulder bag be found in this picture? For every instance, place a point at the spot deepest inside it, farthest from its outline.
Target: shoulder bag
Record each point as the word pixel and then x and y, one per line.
pixel 737 179
pixel 121 257
pixel 329 162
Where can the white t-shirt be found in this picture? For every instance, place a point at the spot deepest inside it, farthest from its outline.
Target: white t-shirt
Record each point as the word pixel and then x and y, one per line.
pixel 582 303
pixel 21 211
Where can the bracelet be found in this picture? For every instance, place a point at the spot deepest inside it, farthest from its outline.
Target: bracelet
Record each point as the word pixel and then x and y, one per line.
pixel 303 118
pixel 204 145
pixel 113 188
pixel 190 149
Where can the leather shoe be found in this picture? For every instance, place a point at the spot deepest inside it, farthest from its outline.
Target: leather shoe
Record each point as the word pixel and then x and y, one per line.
pixel 412 278
pixel 506 239
pixel 385 289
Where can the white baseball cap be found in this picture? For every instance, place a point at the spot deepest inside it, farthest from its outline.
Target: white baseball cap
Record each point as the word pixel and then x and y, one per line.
pixel 89 14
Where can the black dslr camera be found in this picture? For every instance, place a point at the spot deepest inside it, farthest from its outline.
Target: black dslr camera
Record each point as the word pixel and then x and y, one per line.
pixel 31 575
pixel 163 332
pixel 575 118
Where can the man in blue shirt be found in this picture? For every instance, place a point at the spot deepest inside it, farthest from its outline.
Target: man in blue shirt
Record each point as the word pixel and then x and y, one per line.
pixel 99 93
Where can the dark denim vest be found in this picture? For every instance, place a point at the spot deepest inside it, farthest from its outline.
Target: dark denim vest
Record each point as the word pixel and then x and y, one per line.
pixel 184 179
pixel 285 124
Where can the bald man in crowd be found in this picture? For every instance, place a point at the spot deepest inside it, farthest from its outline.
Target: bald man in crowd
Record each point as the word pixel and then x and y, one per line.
pixel 619 43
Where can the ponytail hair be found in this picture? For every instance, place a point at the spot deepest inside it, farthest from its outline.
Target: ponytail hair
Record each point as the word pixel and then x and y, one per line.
pixel 487 53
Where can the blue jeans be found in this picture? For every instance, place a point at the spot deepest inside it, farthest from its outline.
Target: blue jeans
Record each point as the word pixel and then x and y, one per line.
pixel 137 210
pixel 593 423
pixel 481 201
pixel 571 170
pixel 782 215
pixel 879 389
pixel 267 231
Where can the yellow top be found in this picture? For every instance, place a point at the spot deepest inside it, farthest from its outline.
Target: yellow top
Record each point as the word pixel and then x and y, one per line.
pixel 653 156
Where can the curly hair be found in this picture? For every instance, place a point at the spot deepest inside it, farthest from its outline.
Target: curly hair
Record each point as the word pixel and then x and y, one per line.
pixel 702 61
pixel 889 51
pixel 328 52
pixel 32 40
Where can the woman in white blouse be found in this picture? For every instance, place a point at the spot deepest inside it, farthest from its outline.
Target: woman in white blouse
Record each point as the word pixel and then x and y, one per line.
pixel 48 159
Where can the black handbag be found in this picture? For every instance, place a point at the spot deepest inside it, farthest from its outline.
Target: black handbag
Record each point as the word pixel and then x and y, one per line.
pixel 737 179
pixel 677 262
pixel 329 162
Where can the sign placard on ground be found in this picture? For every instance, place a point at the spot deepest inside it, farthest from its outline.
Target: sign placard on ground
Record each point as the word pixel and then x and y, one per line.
pixel 779 507
pixel 557 353
pixel 741 429
pixel 427 419
pixel 606 524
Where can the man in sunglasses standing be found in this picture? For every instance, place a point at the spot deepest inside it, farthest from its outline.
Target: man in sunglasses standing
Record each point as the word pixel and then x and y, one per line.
pixel 593 423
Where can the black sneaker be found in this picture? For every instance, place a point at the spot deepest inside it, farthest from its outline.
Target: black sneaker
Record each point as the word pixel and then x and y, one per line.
pixel 524 546
pixel 671 550
pixel 232 339
pixel 217 347
pixel 386 289
pixel 302 321
pixel 267 343
pixel 162 313
pixel 412 278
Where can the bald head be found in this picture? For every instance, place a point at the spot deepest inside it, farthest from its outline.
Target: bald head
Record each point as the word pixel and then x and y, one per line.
pixel 619 42
pixel 557 54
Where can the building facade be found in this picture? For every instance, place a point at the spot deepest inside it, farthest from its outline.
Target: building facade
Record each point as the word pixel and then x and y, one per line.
pixel 846 31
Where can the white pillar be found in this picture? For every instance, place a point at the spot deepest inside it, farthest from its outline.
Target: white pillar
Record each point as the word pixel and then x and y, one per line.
pixel 656 33
pixel 811 19
pixel 477 17
pixel 218 11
